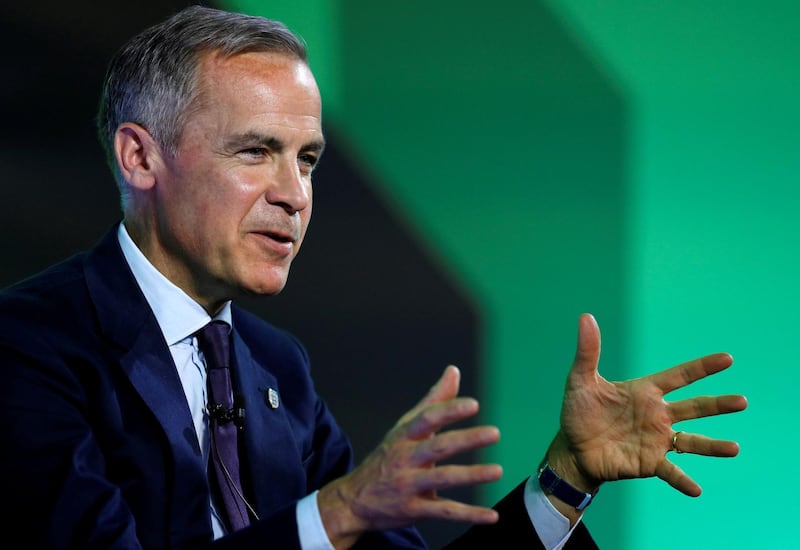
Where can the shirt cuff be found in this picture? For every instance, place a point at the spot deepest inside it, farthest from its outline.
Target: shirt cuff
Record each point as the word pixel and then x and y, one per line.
pixel 309 525
pixel 550 524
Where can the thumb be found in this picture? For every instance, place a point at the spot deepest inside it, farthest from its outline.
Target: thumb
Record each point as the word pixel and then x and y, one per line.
pixel 587 354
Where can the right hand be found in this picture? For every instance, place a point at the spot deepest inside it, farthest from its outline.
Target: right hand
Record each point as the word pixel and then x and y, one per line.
pixel 396 485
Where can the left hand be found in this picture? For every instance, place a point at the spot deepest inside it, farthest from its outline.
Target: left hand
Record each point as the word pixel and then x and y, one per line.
pixel 397 484
pixel 623 430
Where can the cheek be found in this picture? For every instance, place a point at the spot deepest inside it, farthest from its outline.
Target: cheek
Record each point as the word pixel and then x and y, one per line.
pixel 227 202
pixel 195 194
pixel 305 219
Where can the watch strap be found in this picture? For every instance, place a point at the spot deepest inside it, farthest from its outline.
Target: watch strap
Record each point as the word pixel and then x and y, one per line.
pixel 551 483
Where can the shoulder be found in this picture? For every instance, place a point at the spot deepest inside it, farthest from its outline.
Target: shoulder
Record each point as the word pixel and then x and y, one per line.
pixel 58 291
pixel 72 304
pixel 265 339
pixel 46 295
pixel 47 328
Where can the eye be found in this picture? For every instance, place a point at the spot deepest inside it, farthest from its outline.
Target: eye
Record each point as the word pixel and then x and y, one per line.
pixel 307 161
pixel 254 152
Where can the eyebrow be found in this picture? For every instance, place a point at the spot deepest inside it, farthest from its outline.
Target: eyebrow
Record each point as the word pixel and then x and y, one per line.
pixel 253 139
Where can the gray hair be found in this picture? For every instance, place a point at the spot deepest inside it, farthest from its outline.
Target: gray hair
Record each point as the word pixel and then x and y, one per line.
pixel 152 79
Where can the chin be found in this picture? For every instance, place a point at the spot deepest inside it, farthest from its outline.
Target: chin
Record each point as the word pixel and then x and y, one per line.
pixel 263 278
pixel 265 285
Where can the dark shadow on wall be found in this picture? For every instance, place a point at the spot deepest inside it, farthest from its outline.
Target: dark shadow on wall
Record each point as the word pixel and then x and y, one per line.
pixel 56 194
pixel 379 318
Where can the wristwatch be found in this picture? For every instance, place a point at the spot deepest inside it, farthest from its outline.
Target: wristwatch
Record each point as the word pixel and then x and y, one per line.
pixel 551 484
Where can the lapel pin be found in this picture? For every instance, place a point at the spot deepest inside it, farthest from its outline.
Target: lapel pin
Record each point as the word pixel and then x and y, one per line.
pixel 271 397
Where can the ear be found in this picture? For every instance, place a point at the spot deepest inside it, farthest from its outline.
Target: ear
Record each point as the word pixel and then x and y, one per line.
pixel 138 155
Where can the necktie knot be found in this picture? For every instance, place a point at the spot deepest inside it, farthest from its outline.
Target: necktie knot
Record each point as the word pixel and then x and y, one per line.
pixel 213 340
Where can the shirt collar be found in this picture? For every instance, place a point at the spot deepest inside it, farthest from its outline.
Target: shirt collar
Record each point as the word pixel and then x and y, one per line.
pixel 178 315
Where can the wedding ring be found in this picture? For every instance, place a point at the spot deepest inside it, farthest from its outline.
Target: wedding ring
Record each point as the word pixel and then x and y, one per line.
pixel 675 442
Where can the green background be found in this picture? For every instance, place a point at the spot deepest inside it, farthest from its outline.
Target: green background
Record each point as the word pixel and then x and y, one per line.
pixel 638 160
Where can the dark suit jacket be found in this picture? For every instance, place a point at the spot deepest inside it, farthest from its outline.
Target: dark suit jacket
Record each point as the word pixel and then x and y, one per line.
pixel 98 445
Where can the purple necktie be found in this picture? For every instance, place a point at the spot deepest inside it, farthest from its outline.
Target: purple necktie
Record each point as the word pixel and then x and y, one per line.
pixel 214 343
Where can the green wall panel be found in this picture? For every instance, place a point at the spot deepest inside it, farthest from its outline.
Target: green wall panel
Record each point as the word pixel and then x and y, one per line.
pixel 636 160
pixel 715 262
pixel 317 23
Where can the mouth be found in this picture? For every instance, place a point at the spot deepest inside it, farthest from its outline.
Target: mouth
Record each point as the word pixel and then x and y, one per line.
pixel 278 241
pixel 279 236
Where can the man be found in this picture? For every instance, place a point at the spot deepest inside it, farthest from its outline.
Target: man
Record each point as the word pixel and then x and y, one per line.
pixel 111 419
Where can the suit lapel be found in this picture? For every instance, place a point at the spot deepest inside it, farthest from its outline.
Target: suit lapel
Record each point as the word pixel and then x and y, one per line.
pixel 127 320
pixel 273 463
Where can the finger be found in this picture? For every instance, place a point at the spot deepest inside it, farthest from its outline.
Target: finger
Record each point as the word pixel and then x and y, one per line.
pixel 702 406
pixel 433 418
pixel 456 475
pixel 690 371
pixel 677 478
pixel 446 444
pixel 445 388
pixel 452 510
pixel 587 353
pixel 706 446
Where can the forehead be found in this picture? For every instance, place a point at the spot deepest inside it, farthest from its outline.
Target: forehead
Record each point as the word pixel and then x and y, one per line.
pixel 256 85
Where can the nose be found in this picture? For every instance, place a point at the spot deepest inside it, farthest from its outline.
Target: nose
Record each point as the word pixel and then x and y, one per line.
pixel 290 188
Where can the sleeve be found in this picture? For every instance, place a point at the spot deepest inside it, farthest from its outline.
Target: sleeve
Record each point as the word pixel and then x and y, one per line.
pixel 310 527
pixel 551 526
pixel 516 523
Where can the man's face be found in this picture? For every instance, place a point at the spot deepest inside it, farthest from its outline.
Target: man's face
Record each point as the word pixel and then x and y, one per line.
pixel 233 205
